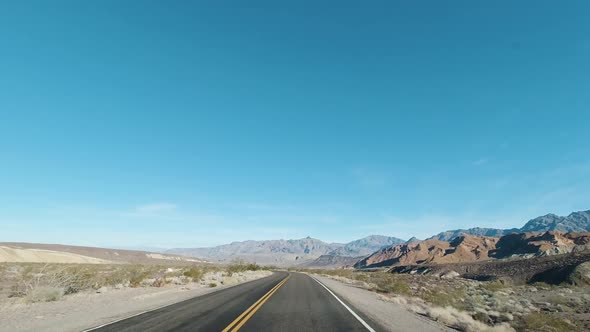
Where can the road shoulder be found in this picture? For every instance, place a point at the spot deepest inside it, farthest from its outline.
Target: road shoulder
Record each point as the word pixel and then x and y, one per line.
pixel 391 316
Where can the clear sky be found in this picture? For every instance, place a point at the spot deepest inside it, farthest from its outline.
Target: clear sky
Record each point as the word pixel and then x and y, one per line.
pixel 195 123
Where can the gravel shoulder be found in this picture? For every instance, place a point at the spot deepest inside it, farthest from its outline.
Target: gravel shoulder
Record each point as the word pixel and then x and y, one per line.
pixel 81 311
pixel 394 317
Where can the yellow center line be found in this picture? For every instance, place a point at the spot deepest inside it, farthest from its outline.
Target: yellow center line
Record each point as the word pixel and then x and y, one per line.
pixel 258 307
pixel 250 308
pixel 254 307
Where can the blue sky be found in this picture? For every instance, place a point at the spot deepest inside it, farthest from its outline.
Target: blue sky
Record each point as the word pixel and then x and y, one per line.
pixel 145 123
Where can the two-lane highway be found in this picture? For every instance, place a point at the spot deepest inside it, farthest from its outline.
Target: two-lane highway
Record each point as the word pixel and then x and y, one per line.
pixel 303 304
pixel 281 302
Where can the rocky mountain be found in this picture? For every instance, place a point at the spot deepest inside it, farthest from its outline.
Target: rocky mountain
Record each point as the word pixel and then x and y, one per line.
pixel 366 245
pixel 463 248
pixel 413 239
pixel 452 234
pixel 473 248
pixel 271 252
pixel 575 222
pixel 301 251
pixel 541 244
pixel 288 252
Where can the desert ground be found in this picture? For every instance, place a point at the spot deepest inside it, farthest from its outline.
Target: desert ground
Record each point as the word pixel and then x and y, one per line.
pixel 470 305
pixel 74 297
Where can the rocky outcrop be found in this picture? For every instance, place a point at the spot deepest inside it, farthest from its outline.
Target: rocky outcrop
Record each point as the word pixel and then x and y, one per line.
pixel 471 248
pixel 540 244
pixel 573 268
pixel 464 248
pixel 580 276
pixel 413 239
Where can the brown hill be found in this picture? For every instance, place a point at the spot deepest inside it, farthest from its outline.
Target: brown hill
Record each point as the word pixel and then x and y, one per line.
pixel 472 248
pixel 464 248
pixel 57 253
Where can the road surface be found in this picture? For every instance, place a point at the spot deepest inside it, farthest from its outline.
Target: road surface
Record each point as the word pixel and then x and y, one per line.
pixel 281 302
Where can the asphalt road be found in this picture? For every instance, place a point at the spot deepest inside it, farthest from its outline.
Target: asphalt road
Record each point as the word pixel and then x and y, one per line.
pixel 281 302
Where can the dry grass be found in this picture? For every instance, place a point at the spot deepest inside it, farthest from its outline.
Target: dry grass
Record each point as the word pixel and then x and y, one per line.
pixel 445 298
pixel 386 283
pixel 50 282
pixel 493 286
pixel 544 323
pixel 242 266
pixel 194 273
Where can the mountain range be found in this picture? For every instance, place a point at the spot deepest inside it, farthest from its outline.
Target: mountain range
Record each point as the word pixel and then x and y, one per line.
pixel 575 222
pixel 546 235
pixel 288 252
pixel 309 251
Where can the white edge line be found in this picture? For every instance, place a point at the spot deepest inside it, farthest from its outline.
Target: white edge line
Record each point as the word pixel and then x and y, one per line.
pixel 120 319
pixel 347 307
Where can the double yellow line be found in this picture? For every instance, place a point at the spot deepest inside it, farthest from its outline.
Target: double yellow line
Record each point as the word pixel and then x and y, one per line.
pixel 253 308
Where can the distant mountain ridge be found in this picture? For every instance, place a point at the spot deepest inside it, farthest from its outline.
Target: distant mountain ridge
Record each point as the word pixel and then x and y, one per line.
pixel 575 222
pixel 479 231
pixel 366 245
pixel 288 252
pixel 307 250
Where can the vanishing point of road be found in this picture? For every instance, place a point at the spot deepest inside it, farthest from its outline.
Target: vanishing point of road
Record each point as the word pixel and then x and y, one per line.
pixel 281 302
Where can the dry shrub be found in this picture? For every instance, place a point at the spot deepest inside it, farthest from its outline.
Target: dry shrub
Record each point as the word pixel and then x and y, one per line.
pixel 194 273
pixel 493 286
pixel 50 283
pixel 543 322
pixel 438 298
pixel 136 277
pixel 159 282
pixel 461 320
pixel 241 266
pixel 44 294
pixel 390 284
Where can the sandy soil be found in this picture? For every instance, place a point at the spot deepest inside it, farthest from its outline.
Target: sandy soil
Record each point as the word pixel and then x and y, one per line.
pixel 29 253
pixel 85 310
pixel 393 317
pixel 45 256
